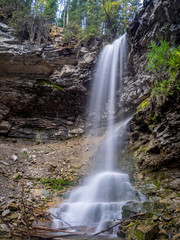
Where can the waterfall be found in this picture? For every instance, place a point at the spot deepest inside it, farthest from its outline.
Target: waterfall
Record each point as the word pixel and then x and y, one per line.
pixel 100 198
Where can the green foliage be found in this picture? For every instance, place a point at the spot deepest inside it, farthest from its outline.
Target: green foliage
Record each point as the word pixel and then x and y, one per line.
pixel 105 18
pixel 152 117
pixel 46 8
pixel 56 184
pixel 164 65
pixel 54 86
pixel 31 19
pixel 88 19
pixel 141 149
pixel 25 154
pixel 144 104
pixel 72 32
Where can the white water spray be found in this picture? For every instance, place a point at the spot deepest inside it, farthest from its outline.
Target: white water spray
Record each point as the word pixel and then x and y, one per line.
pixel 101 197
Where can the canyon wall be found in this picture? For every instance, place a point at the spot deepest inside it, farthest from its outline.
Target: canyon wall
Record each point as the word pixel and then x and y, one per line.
pixel 43 87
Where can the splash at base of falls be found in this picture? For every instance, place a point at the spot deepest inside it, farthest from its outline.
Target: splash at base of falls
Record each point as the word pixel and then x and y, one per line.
pixel 98 203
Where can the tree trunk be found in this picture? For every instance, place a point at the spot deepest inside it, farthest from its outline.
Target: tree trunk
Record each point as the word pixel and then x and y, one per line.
pixel 64 16
pixel 67 17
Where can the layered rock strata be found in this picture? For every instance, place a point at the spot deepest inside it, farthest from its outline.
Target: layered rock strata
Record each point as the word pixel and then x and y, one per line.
pixel 43 88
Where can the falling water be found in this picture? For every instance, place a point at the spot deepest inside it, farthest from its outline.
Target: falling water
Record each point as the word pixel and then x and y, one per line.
pixel 100 198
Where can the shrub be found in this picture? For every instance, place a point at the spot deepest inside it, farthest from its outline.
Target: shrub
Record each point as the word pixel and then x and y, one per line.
pixel 164 65
pixel 72 32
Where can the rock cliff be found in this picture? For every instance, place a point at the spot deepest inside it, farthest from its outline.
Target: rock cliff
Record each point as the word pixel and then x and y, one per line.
pixel 43 88
pixel 154 129
pixel 152 155
pixel 155 19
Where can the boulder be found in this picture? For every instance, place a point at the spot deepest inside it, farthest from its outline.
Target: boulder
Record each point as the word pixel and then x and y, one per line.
pixel 147 231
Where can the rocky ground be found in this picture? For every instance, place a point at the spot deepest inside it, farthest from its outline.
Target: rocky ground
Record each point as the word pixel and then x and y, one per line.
pixel 46 171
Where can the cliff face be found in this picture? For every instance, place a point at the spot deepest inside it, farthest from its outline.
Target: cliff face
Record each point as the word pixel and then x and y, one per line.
pixel 155 19
pixel 154 130
pixel 43 88
pixel 153 148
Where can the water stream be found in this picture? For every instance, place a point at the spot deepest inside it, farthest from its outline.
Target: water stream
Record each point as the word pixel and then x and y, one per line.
pixel 98 202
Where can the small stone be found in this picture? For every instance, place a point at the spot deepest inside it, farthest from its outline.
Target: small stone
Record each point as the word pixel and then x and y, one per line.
pixel 14 157
pixel 166 217
pixel 6 213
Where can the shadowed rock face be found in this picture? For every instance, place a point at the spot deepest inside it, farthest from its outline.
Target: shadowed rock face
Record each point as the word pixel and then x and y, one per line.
pixel 43 88
pixel 157 125
pixel 156 128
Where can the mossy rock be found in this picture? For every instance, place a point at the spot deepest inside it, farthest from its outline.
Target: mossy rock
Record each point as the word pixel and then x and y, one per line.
pixel 141 230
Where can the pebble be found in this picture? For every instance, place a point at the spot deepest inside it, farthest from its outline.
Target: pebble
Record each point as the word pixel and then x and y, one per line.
pixel 14 157
pixel 6 213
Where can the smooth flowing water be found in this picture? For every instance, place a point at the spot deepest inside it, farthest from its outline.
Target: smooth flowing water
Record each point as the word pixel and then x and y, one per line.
pixel 98 202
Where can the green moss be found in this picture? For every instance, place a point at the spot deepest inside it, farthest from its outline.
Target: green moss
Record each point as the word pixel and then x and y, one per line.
pixel 54 86
pixel 163 64
pixel 25 154
pixel 39 130
pixel 141 149
pixel 152 117
pixel 18 177
pixel 157 184
pixel 56 184
pixel 129 225
pixel 144 104
pixel 139 235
